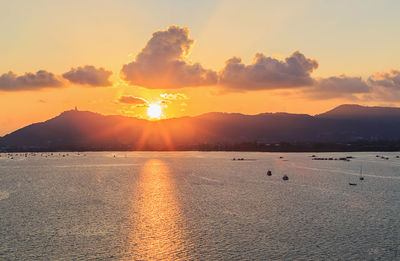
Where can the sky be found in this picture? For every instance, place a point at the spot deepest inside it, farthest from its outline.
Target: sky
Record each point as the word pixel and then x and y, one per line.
pixel 192 57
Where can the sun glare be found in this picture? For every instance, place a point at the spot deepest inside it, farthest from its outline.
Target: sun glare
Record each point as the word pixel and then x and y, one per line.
pixel 154 111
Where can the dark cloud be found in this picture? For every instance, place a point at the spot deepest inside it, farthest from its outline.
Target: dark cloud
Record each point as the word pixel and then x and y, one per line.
pixel 132 100
pixel 29 81
pixel 266 73
pixel 338 87
pixel 386 86
pixel 161 64
pixel 388 80
pixel 89 75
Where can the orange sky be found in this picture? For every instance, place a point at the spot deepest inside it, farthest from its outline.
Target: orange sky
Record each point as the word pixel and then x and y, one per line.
pixel 248 57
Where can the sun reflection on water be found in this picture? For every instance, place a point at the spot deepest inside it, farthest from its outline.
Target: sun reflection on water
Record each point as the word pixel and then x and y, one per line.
pixel 158 223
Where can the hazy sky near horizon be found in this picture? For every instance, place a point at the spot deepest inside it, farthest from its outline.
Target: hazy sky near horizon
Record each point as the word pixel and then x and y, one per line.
pixel 193 57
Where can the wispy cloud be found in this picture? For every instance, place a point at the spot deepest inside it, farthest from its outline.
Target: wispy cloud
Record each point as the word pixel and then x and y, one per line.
pixel 132 100
pixel 174 96
pixel 338 87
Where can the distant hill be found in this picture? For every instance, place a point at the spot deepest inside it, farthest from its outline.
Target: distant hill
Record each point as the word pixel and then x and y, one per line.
pixel 354 111
pixel 83 130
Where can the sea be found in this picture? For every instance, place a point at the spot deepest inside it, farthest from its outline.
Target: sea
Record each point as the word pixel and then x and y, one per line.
pixel 199 206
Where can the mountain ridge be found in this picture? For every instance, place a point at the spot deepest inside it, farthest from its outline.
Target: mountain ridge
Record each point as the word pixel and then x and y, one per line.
pixel 85 130
pixel 347 111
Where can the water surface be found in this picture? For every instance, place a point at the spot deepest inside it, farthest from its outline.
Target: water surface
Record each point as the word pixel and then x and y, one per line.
pixel 199 205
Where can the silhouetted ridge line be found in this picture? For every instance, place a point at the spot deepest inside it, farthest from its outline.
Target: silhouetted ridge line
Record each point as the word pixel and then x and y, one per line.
pixel 345 128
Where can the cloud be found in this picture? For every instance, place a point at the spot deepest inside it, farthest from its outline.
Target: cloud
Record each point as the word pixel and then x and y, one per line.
pixel 267 73
pixel 168 98
pixel 162 65
pixel 89 75
pixel 174 96
pixel 132 100
pixel 388 80
pixel 386 86
pixel 29 81
pixel 338 87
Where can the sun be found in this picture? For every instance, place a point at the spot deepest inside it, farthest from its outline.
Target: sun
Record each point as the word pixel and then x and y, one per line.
pixel 154 111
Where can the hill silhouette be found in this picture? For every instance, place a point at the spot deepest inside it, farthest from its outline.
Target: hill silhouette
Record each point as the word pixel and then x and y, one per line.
pixel 354 111
pixel 83 130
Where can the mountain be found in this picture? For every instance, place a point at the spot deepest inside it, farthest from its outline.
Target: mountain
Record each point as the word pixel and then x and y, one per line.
pixel 354 111
pixel 83 130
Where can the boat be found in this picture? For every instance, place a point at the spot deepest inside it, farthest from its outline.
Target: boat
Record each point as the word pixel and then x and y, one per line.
pixel 285 177
pixel 269 173
pixel 361 176
pixel 352 184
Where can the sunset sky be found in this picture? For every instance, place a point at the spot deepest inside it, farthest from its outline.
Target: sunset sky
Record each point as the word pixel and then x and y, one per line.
pixel 192 57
